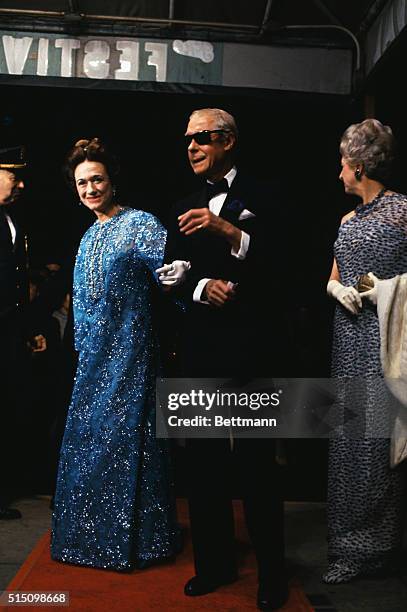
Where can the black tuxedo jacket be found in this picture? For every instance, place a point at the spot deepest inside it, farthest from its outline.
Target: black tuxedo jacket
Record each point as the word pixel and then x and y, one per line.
pixel 232 340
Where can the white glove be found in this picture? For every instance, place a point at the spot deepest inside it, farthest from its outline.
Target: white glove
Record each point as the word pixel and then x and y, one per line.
pixel 349 297
pixel 173 274
pixel 371 295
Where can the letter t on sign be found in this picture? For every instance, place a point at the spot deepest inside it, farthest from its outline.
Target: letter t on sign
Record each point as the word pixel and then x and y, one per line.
pixel 158 58
pixel 67 45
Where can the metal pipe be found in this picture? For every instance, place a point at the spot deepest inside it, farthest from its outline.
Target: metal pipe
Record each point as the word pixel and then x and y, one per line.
pixel 184 22
pixel 171 9
pixel 141 20
pixel 330 27
pixel 33 13
pixel 73 7
pixel 168 22
pixel 266 15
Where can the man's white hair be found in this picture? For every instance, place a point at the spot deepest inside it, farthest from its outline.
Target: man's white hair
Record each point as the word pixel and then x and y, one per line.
pixel 223 119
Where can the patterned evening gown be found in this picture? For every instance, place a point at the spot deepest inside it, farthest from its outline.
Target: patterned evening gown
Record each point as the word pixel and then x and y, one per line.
pixel 114 502
pixel 364 493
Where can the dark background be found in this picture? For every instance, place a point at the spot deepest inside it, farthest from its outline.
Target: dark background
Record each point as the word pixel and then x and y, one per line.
pixel 291 137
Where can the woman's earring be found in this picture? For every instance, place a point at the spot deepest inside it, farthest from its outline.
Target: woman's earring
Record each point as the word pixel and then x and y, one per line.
pixel 114 191
pixel 358 174
pixel 80 203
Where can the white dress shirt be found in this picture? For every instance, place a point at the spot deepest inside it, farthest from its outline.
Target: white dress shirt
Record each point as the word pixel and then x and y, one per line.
pixel 215 205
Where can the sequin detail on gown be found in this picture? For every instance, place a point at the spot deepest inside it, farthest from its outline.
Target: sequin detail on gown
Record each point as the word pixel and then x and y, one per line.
pixel 364 494
pixel 114 502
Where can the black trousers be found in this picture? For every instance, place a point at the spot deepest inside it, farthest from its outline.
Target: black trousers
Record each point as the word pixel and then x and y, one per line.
pixel 217 474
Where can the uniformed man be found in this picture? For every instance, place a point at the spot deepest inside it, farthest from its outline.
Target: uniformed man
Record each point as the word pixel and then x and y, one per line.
pixel 15 340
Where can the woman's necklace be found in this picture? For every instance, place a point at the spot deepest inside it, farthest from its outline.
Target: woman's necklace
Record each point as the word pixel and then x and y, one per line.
pixel 95 262
pixel 369 203
pixel 95 258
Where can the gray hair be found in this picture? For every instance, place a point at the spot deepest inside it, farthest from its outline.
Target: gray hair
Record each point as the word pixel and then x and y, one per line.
pixel 223 119
pixel 371 144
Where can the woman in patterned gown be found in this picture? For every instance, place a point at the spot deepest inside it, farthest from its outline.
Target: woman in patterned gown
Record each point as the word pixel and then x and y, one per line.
pixel 364 493
pixel 114 501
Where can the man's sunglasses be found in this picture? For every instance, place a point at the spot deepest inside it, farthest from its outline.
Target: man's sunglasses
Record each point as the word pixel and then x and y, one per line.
pixel 202 138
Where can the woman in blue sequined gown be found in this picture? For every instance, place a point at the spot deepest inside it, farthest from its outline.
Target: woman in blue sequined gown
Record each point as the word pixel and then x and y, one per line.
pixel 364 493
pixel 114 502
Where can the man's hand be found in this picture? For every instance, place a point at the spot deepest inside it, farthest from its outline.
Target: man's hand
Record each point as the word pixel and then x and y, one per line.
pixel 219 292
pixel 198 219
pixel 173 274
pixel 38 344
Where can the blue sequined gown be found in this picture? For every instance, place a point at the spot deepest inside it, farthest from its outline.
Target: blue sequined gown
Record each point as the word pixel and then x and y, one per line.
pixel 364 493
pixel 114 502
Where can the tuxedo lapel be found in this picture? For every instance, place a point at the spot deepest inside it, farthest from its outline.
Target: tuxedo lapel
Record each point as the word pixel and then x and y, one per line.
pixel 196 200
pixel 203 199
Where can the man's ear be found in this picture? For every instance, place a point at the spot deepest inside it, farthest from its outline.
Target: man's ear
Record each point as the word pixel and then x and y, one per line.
pixel 230 141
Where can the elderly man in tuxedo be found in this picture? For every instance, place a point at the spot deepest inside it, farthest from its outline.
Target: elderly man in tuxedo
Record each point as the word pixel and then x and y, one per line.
pixel 14 332
pixel 220 247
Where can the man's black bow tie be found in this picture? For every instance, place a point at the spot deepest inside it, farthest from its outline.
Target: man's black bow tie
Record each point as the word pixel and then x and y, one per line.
pixel 214 188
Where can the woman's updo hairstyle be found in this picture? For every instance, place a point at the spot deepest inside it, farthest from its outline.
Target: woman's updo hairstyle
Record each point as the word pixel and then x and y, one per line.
pixel 372 144
pixel 90 149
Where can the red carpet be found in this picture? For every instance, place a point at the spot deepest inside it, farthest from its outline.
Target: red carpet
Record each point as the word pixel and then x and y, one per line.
pixel 157 588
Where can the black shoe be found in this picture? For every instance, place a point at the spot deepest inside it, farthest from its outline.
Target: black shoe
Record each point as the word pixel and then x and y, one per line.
pixel 201 586
pixel 9 514
pixel 272 597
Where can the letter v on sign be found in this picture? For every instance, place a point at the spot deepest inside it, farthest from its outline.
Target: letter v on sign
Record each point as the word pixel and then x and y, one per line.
pixel 16 52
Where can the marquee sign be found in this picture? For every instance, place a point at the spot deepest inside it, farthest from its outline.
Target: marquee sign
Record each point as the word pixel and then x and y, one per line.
pixel 137 61
pixel 122 59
